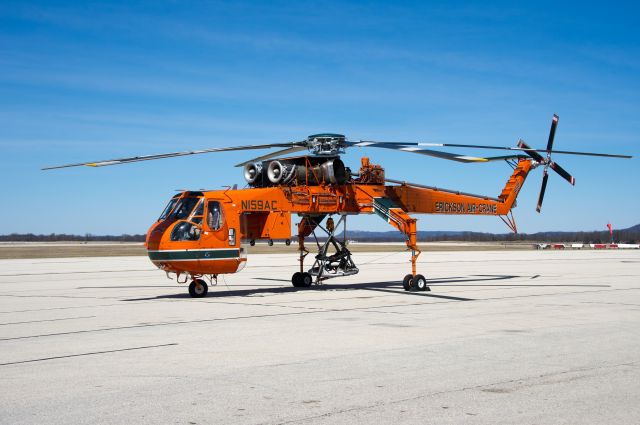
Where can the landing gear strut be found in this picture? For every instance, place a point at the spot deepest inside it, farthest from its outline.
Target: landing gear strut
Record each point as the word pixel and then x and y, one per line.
pixel 325 266
pixel 335 265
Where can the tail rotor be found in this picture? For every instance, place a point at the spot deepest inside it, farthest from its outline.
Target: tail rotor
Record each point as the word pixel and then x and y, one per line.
pixel 547 162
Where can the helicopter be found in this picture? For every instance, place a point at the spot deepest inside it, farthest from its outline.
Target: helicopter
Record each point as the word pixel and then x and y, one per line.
pixel 203 234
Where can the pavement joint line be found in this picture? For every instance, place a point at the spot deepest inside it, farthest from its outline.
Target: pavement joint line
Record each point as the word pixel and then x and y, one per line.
pixel 184 322
pixel 59 296
pixel 455 390
pixel 87 354
pixel 47 320
pixel 558 293
pixel 77 272
pixel 178 322
pixel 70 307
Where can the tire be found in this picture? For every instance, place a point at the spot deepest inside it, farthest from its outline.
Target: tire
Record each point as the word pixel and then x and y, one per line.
pixel 270 243
pixel 193 290
pixel 406 282
pixel 420 283
pixel 287 242
pixel 306 280
pixel 252 242
pixel 296 279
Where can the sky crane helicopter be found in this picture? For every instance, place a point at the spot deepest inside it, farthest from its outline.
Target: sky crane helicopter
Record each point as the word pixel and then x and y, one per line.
pixel 202 234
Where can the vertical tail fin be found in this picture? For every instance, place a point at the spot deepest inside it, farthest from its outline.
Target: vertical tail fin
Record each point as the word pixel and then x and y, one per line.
pixel 514 184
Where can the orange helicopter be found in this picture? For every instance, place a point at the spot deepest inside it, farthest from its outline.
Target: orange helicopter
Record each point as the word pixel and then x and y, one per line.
pixel 202 234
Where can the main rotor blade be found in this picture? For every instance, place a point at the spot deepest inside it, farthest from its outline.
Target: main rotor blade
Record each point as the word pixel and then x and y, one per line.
pixel 457 145
pixel 545 177
pixel 419 150
pixel 440 189
pixel 505 157
pixel 171 155
pixel 273 155
pixel 552 132
pixel 565 175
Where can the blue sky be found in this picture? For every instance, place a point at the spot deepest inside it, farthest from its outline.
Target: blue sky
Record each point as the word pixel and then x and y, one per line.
pixel 88 81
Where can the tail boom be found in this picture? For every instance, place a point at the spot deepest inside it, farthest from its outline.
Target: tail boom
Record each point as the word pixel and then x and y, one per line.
pixel 430 200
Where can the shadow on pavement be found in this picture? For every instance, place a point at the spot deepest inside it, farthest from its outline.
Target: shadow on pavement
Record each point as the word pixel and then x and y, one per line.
pixel 394 287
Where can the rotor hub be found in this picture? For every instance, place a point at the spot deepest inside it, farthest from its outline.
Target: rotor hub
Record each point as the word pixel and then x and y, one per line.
pixel 326 144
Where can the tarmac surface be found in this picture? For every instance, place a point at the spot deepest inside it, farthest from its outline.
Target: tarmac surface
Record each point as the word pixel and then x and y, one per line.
pixel 526 337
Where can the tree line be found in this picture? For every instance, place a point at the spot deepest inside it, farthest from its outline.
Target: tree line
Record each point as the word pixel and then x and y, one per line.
pixel 631 235
pixel 63 237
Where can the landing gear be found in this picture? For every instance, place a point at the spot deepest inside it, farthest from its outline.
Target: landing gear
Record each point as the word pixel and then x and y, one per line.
pixel 337 264
pixel 301 280
pixel 198 288
pixel 420 283
pixel 406 282
pixel 415 283
pixel 325 266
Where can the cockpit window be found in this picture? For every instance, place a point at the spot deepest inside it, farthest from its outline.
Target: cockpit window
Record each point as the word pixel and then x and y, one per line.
pixel 185 231
pixel 168 208
pixel 184 207
pixel 215 220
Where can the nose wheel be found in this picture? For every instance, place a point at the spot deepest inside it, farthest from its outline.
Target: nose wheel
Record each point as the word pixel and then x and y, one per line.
pixel 415 283
pixel 198 288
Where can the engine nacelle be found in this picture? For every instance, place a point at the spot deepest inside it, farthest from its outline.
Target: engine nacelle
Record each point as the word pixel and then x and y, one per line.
pixel 297 171
pixel 334 171
pixel 280 172
pixel 253 172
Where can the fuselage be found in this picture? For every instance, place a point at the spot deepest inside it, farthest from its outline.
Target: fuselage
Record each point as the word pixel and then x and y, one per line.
pixel 208 233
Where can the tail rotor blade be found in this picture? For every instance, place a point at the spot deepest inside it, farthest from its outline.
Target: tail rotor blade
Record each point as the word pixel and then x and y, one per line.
pixel 552 132
pixel 565 175
pixel 532 153
pixel 545 177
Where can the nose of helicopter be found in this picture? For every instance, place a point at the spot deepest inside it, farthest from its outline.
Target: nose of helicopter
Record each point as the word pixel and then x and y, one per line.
pixel 195 257
pixel 154 235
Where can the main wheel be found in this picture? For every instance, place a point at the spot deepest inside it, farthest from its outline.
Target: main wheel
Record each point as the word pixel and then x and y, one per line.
pixel 420 283
pixel 270 242
pixel 198 288
pixel 252 242
pixel 296 279
pixel 287 242
pixel 306 280
pixel 406 282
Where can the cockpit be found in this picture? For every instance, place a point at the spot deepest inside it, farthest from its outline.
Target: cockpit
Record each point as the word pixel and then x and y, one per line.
pixel 197 234
pixel 188 211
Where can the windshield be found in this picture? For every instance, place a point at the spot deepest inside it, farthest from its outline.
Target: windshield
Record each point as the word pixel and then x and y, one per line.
pixel 168 208
pixel 184 207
